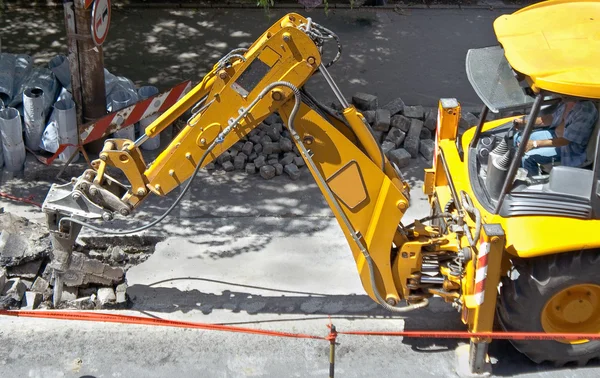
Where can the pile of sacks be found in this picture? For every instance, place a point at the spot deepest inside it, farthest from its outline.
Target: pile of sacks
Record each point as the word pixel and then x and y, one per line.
pixel 37 110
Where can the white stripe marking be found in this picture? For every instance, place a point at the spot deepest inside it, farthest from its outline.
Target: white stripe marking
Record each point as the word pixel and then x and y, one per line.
pixel 480 274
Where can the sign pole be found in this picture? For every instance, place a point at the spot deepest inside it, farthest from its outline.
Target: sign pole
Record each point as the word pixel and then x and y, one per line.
pixel 87 63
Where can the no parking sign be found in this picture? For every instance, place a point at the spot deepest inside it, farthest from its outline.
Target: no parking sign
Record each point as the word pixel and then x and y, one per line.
pixel 100 21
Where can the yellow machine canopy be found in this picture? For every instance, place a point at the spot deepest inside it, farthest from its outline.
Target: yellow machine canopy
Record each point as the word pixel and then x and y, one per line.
pixel 556 44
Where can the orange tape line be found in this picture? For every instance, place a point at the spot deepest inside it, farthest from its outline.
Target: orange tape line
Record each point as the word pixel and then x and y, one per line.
pixel 130 319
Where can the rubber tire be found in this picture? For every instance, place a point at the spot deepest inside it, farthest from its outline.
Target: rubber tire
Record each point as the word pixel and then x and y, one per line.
pixel 521 302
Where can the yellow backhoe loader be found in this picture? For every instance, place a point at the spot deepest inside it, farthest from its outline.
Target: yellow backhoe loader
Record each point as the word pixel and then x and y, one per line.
pixel 499 243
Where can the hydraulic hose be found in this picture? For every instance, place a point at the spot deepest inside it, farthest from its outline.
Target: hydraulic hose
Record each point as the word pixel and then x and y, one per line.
pixel 337 207
pixel 471 209
pixel 218 140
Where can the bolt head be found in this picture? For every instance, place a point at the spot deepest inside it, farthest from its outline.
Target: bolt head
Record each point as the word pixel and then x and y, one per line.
pixel 141 191
pixel 76 195
pixel 103 157
pixel 391 301
pixel 124 212
pixel 106 216
pixel 93 191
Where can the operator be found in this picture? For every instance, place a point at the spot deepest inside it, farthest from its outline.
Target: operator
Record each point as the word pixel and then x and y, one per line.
pixel 566 138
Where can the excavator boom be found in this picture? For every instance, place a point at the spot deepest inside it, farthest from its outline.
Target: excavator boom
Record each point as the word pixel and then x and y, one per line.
pixel 365 191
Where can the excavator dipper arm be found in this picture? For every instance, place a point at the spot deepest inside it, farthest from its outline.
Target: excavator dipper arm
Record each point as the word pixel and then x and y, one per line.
pixel 366 193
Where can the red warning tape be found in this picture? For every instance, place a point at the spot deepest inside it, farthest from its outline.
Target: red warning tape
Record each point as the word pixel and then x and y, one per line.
pixel 28 200
pixel 129 319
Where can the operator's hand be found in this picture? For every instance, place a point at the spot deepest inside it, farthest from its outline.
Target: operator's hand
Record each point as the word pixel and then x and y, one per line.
pixel 519 123
pixel 529 146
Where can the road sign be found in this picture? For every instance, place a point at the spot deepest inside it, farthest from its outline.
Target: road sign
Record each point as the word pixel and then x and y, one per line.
pixel 100 21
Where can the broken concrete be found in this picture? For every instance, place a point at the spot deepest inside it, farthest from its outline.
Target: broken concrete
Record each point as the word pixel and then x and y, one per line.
pixel 40 285
pixel 2 278
pixel 69 294
pixel 106 295
pixel 31 301
pixel 12 293
pixel 27 270
pixel 121 293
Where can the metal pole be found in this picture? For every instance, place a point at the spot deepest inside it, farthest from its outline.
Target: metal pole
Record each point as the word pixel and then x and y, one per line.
pixel 87 67
pixel 482 118
pixel 516 159
pixel 333 333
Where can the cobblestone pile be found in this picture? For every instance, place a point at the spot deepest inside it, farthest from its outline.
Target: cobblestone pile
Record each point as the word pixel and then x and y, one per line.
pixel 403 132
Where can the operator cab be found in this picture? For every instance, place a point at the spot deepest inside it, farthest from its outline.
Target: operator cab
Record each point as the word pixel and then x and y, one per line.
pixel 555 189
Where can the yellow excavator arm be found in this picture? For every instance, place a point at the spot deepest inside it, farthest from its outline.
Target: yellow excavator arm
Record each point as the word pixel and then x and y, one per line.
pixel 365 191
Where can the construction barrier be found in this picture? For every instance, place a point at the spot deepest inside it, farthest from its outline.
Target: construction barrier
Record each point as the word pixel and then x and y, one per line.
pixel 331 337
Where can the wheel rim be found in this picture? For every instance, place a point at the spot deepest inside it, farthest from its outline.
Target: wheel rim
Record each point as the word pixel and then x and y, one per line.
pixel 575 309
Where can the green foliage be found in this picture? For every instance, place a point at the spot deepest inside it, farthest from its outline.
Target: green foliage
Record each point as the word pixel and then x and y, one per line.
pixel 266 4
pixel 263 3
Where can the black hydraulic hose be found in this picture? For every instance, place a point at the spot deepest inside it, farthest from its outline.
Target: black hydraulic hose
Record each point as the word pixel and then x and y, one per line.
pixel 431 217
pixel 157 220
pixel 218 140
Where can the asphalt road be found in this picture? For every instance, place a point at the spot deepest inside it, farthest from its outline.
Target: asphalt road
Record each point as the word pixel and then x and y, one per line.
pixel 244 251
pixel 416 54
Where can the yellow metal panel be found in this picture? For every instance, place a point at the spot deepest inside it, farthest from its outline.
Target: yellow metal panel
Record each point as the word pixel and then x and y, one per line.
pixel 376 218
pixel 526 236
pixel 556 44
pixel 269 56
pixel 348 185
pixel 185 151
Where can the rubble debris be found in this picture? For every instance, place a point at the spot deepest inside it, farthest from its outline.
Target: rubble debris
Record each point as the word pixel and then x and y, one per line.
pixel 400 122
pixel 427 149
pixel 40 285
pixel 400 157
pixel 21 241
pixel 121 293
pixel 250 168
pixel 413 139
pixel 382 120
pixel 83 303
pixel 12 293
pixel 369 116
pixel 387 146
pixel 292 171
pixel 106 295
pixel 364 101
pixel 396 136
pixel 2 279
pixel 414 112
pixel 431 120
pixel 26 270
pixel 395 106
pixel 31 301
pixel 69 294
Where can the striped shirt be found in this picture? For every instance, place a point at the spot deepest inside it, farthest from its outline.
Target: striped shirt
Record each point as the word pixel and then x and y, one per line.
pixel 579 126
